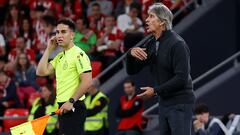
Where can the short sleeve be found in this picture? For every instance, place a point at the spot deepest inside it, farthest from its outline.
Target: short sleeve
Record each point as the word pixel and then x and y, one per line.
pixel 54 61
pixel 83 63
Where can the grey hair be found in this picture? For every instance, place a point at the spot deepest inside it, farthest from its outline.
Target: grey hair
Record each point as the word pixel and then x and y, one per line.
pixel 163 14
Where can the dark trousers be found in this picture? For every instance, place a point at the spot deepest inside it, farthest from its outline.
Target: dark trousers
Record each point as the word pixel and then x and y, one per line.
pixel 175 119
pixel 72 123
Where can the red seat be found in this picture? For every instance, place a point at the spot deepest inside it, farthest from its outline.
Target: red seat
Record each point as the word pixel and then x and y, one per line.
pixel 32 97
pixel 24 94
pixel 96 68
pixel 7 124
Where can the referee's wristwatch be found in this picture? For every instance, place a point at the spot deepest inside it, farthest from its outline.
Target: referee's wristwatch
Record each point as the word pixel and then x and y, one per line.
pixel 71 100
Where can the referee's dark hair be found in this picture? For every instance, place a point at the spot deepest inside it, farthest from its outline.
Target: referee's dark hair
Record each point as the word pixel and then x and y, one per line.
pixel 67 22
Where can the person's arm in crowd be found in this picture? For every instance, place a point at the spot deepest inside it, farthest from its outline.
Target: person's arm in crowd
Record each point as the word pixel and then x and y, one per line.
pixel 137 105
pixel 100 40
pixel 181 68
pixel 115 45
pixel 97 108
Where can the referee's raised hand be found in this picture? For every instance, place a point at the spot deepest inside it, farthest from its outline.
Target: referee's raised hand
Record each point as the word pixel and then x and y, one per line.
pixel 139 53
pixel 52 43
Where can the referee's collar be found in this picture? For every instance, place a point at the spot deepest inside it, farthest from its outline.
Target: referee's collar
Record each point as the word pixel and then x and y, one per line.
pixel 67 51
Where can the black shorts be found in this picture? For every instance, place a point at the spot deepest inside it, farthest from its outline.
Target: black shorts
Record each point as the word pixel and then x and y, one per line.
pixel 72 123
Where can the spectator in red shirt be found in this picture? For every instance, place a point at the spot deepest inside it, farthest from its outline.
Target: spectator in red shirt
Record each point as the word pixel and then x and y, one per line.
pixel 129 111
pixel 21 48
pixel 26 31
pixel 96 19
pixel 11 25
pixel 40 36
pixel 49 5
pixel 71 9
pixel 174 6
pixel 145 6
pixel 109 42
pixel 8 94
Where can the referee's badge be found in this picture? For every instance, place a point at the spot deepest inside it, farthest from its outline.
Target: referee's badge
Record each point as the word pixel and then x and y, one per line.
pixel 65 65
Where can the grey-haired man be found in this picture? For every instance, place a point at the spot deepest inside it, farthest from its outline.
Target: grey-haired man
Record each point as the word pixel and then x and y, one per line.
pixel 168 56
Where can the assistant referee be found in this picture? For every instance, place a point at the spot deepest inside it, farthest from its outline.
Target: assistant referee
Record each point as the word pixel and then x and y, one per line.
pixel 73 75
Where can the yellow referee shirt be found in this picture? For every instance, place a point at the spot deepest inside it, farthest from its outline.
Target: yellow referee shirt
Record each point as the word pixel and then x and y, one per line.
pixel 68 66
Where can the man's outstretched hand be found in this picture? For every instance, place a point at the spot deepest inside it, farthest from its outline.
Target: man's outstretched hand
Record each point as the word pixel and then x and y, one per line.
pixel 147 93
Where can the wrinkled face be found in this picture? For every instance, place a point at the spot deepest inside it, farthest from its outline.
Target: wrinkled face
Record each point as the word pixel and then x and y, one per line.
pixel 64 35
pixel 96 11
pixel 153 23
pixel 22 59
pixel 128 88
pixel 45 92
pixel 109 21
pixel 203 118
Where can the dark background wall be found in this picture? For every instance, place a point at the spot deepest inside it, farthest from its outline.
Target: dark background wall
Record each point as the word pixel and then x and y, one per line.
pixel 212 37
pixel 224 98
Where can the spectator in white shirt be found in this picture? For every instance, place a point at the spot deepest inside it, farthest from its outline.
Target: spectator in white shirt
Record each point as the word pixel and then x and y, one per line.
pixel 129 22
pixel 131 25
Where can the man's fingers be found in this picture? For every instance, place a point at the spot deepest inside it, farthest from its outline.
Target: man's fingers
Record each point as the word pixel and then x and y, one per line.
pixel 139 53
pixel 139 56
pixel 142 54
